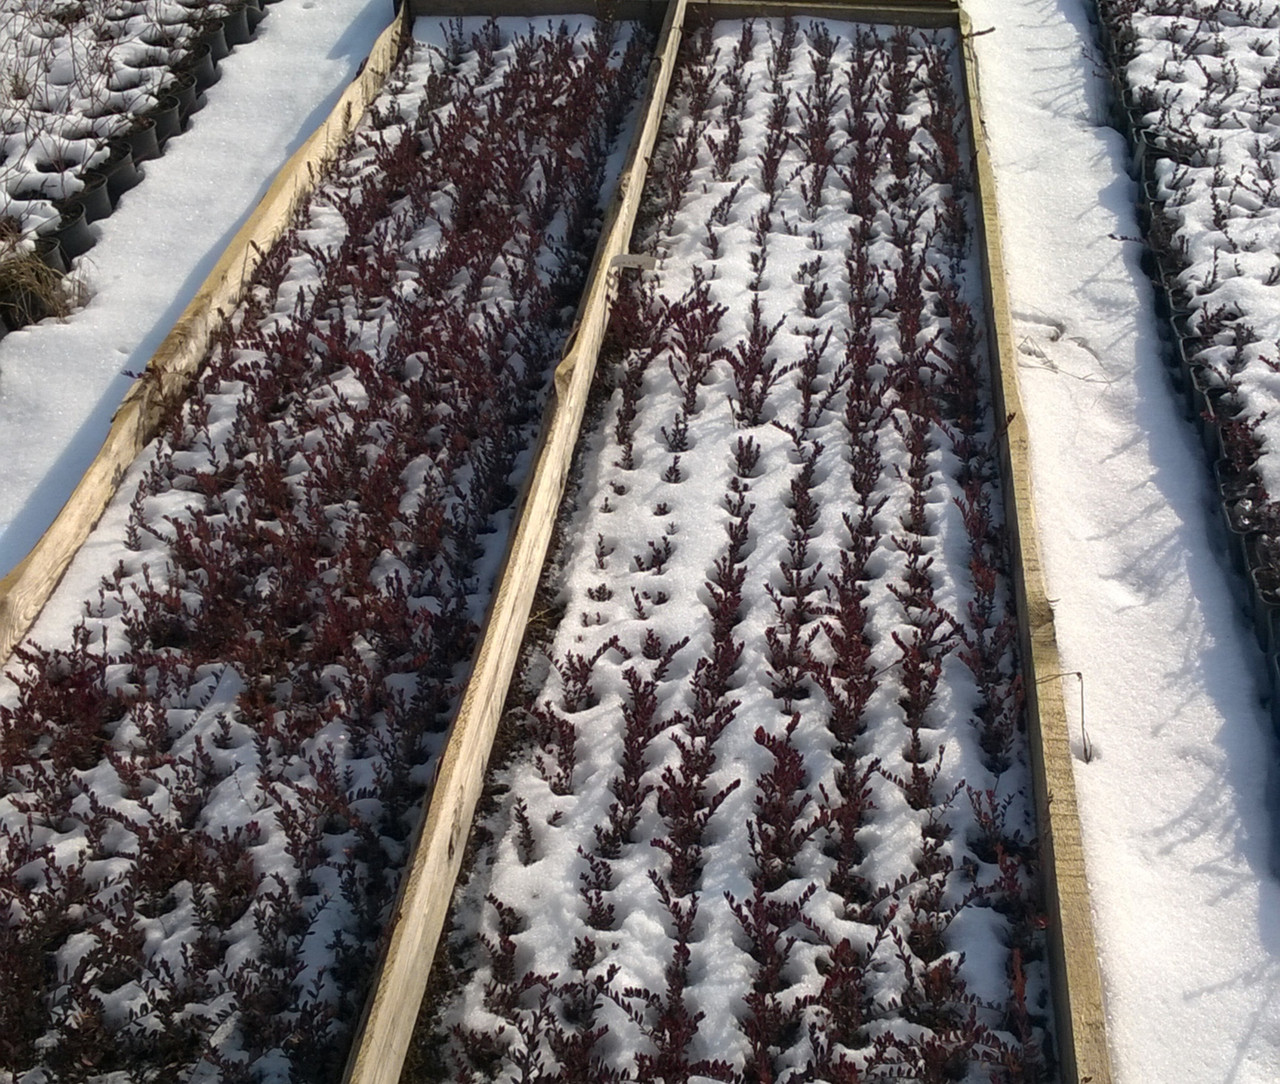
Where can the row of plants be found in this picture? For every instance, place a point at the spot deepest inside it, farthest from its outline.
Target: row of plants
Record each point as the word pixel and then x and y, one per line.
pixel 764 813
pixel 209 783
pixel 89 90
pixel 1198 92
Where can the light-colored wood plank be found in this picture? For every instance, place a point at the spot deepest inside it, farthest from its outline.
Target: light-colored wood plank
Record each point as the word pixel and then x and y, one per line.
pixel 901 12
pixel 422 905
pixel 925 13
pixel 173 367
pixel 650 11
pixel 1077 984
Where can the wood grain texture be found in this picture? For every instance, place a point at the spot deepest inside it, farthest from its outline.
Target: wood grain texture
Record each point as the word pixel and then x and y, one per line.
pixel 173 367
pixel 422 905
pixel 1077 984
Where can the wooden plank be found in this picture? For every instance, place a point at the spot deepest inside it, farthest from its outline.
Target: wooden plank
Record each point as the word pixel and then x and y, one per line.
pixel 1077 985
pixel 172 369
pixel 650 12
pixel 925 13
pixel 418 918
pixel 931 13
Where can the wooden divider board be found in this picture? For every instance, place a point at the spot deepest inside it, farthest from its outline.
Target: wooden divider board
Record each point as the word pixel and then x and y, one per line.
pixel 898 12
pixel 173 367
pixel 1073 955
pixel 422 905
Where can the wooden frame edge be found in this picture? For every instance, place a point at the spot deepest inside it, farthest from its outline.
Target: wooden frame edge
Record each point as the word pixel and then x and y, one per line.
pixel 171 370
pixel 421 908
pixel 1080 1019
pixel 901 12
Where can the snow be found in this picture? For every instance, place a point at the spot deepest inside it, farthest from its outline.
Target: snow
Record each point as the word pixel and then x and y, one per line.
pixel 60 383
pixel 1177 803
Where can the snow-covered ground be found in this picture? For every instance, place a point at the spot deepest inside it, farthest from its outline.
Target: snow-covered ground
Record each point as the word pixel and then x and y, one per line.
pixel 61 383
pixel 1176 803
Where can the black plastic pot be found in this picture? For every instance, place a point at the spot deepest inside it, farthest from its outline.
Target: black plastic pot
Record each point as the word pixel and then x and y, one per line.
pixel 215 37
pixel 119 170
pixel 49 252
pixel 235 25
pixel 201 64
pixel 1238 541
pixel 1266 607
pixel 167 117
pixel 144 144
pixel 1273 665
pixel 1220 406
pixel 72 232
pixel 182 87
pixel 93 197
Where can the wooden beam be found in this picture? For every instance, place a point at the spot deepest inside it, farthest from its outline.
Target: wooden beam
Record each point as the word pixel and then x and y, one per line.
pixel 1073 957
pixel 931 13
pixel 422 905
pixel 173 367
pixel 927 13
pixel 649 12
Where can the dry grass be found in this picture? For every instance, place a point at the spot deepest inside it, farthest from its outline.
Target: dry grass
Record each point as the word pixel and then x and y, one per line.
pixel 30 289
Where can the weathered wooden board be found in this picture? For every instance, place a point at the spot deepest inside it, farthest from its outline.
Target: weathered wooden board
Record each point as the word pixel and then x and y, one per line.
pixel 422 909
pixel 651 11
pixel 173 367
pixel 422 906
pixel 1077 985
pixel 904 12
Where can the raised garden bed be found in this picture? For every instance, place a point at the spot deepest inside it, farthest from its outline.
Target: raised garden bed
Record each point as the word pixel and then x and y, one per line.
pixel 210 780
pixel 766 808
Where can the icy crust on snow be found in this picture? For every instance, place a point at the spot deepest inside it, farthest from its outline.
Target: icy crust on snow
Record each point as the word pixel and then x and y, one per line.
pixel 210 778
pixel 1205 78
pixel 769 814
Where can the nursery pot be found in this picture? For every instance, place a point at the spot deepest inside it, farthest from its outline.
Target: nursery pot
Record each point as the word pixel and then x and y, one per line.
pixel 183 88
pixel 119 170
pixel 1266 604
pixel 1238 539
pixel 93 197
pixel 142 139
pixel 1273 666
pixel 49 253
pixel 215 37
pixel 167 117
pixel 235 25
pixel 201 64
pixel 72 230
